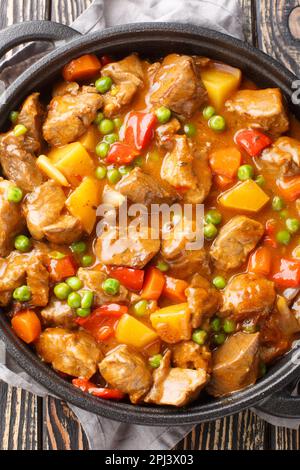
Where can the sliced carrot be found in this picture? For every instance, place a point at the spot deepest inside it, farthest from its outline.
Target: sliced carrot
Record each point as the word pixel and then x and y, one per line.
pixel 27 326
pixel 174 289
pixel 83 68
pixel 289 187
pixel 153 284
pixel 62 268
pixel 226 161
pixel 222 181
pixel 260 261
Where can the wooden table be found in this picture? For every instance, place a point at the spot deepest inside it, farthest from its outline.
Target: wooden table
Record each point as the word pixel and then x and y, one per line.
pixel 28 422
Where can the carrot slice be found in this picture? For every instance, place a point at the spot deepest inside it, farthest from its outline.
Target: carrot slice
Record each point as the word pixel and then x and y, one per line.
pixel 86 66
pixel 226 161
pixel 27 326
pixel 289 187
pixel 260 261
pixel 174 289
pixel 153 284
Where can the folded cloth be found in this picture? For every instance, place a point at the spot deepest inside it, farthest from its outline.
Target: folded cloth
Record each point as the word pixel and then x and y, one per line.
pixel 221 15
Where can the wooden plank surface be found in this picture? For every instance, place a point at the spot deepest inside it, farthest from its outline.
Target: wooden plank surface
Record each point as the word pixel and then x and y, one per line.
pixel 27 422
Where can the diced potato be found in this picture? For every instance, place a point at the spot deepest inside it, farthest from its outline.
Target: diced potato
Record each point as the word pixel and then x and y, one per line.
pixel 246 196
pixel 90 139
pixel 220 81
pixel 172 323
pixel 74 162
pixel 46 166
pixel 56 153
pixel 83 202
pixel 132 332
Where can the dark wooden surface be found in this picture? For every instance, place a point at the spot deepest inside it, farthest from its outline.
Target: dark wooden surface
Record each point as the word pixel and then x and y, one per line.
pixel 28 422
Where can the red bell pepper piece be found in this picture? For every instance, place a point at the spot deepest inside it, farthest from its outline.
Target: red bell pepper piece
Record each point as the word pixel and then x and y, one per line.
pixel 270 231
pixel 107 393
pixel 103 321
pixel 121 154
pixel 289 187
pixel 131 278
pixel 253 141
pixel 288 273
pixel 60 269
pixel 139 129
pixel 106 59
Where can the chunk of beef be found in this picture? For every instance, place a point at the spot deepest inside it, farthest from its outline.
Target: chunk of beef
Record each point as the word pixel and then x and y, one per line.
pixel 166 132
pixel 31 116
pixel 175 386
pixel 142 188
pixel 65 88
pixel 43 207
pixel 126 370
pixel 248 295
pixel 11 219
pixel 189 355
pixel 37 281
pixel 178 169
pixel 65 231
pixel 284 156
pixel 203 299
pixel 235 364
pixel 93 279
pixel 128 77
pixel 235 241
pixel 259 108
pixel 177 85
pixel 58 313
pixel 75 353
pixel 18 164
pixel 70 115
pixel 134 250
pixel 287 320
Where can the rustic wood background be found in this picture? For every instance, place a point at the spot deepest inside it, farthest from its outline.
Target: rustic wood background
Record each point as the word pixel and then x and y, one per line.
pixel 28 422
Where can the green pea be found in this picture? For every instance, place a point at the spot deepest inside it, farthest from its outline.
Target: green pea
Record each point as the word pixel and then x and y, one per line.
pixel 260 180
pixel 283 214
pixel 20 130
pixel 111 286
pixel 111 138
pixel 100 172
pixel 87 260
pixel 138 161
pixel 125 169
pixel 22 294
pixel 14 116
pixel 118 123
pixel 199 336
pixel 113 176
pixel 292 225
pixel 283 237
pixel 22 243
pixel 190 129
pixel 245 172
pixel 163 114
pixel 217 123
pixel 15 195
pixel 62 291
pixel 213 217
pixel 74 282
pixel 79 248
pixel 155 360
pixel 229 326
pixel 215 324
pixel 277 203
pixel 74 300
pixel 140 308
pixel 102 149
pixel 57 255
pixel 106 126
pixel 210 231
pixel 83 312
pixel 208 112
pixel 99 118
pixel 219 282
pixel 219 338
pixel 162 266
pixel 87 299
pixel 103 84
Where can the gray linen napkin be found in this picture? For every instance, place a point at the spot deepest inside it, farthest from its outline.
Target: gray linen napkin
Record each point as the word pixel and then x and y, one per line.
pixel 221 15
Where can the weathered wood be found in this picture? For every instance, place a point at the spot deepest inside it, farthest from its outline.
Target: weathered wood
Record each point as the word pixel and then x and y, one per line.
pixel 278 31
pixel 248 18
pixel 284 439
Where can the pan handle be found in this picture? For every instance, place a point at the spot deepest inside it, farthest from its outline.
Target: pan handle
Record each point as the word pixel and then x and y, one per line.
pixel 282 404
pixel 34 31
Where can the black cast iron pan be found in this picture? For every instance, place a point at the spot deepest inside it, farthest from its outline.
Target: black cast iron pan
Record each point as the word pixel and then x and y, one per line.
pixel 152 40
